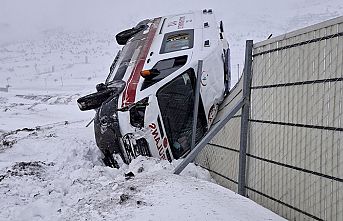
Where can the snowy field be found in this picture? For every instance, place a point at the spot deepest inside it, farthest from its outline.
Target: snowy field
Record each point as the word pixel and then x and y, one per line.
pixel 50 167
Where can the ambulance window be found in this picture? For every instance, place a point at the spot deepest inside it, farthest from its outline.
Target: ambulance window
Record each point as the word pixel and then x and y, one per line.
pixel 165 68
pixel 176 41
pixel 176 103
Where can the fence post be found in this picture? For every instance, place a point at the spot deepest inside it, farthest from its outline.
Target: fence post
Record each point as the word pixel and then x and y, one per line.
pixel 196 103
pixel 245 118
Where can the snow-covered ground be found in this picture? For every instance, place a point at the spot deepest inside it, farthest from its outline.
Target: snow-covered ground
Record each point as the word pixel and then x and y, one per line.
pixel 50 167
pixel 54 172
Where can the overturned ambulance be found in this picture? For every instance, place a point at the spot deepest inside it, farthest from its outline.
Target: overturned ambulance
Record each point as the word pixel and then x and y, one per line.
pixel 145 106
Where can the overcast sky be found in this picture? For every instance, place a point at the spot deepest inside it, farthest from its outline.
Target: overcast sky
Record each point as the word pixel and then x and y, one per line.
pixel 243 19
pixel 39 13
pixel 26 17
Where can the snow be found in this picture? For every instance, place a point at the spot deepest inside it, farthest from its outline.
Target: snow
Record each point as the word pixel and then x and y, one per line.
pixel 50 167
pixel 54 172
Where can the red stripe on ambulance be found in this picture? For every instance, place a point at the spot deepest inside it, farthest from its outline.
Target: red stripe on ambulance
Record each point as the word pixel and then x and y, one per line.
pixel 129 93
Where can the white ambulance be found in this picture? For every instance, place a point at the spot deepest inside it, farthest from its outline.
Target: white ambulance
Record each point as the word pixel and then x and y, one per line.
pixel 145 107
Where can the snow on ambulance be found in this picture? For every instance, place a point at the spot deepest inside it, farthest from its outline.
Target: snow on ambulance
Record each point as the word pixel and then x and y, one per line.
pixel 145 107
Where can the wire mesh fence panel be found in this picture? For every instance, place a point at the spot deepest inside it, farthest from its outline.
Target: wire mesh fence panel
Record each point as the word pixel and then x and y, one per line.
pixel 295 154
pixel 295 142
pixel 221 155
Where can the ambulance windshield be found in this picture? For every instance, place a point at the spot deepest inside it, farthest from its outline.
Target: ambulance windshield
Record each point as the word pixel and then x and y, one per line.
pixel 176 103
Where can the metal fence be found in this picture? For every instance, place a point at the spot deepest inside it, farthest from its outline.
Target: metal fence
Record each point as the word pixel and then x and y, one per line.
pixel 223 150
pixel 294 158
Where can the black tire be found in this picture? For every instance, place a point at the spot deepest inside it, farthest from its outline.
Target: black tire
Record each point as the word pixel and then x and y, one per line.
pixel 93 101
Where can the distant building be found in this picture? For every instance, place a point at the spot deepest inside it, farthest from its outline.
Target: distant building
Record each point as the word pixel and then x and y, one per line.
pixel 4 89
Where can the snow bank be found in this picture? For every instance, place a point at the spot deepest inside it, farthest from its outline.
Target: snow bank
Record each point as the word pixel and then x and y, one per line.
pixel 56 173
